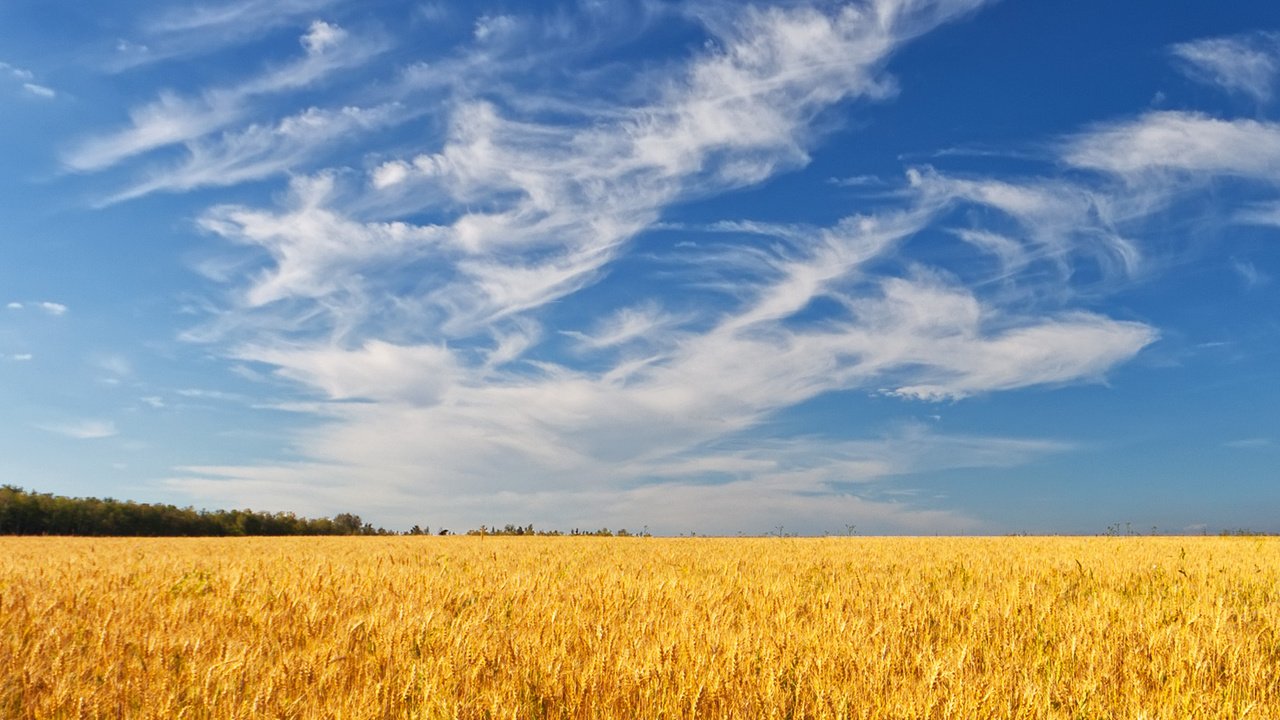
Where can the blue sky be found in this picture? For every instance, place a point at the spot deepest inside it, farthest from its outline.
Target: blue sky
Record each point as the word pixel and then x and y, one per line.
pixel 917 266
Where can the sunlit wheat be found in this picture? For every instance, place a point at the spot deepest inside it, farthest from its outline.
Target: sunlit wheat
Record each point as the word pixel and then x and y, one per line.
pixel 474 627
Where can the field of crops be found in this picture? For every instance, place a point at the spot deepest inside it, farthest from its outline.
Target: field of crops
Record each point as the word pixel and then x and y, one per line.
pixel 470 627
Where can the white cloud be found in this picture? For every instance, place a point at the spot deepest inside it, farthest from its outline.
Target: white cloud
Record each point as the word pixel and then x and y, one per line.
pixel 49 307
pixel 858 181
pixel 237 16
pixel 26 80
pixel 169 119
pixel 1057 350
pixel 1245 64
pixel 82 429
pixel 261 151
pixel 581 192
pixel 735 116
pixel 1249 273
pixel 316 251
pixel 1180 142
pixel 375 371
pixel 1163 163
pixel 389 173
pixel 321 36
pixel 173 119
pixel 125 46
pixel 489 27
pixel 642 323
pixel 39 90
pixel 195 29
pixel 1053 221
pixel 1012 255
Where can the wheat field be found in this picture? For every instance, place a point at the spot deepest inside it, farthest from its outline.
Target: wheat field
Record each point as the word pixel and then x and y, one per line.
pixel 564 627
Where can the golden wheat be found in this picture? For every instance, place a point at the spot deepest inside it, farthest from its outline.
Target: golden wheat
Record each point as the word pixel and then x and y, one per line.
pixel 474 627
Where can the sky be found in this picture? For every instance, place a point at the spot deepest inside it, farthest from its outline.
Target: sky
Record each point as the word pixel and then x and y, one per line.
pixel 893 266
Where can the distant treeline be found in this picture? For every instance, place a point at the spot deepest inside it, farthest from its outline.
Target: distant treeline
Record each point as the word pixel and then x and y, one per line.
pixel 29 513
pixel 528 530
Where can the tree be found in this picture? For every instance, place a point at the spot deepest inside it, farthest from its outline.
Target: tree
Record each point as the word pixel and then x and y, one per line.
pixel 347 523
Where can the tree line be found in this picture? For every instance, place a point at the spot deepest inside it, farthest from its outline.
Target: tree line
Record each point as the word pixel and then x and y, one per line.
pixel 30 513
pixel 23 512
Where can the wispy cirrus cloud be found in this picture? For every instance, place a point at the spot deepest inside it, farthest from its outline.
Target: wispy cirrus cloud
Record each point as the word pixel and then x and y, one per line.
pixel 1162 159
pixel 1047 221
pixel 731 118
pixel 81 429
pixel 236 17
pixel 317 251
pixel 1247 63
pixel 1176 141
pixel 173 119
pixel 41 91
pixel 169 119
pixel 25 80
pixel 259 151
pixel 642 323
pixel 201 28
pixel 49 307
pixel 1249 273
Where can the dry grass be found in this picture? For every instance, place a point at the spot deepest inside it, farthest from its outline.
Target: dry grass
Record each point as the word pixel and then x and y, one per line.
pixel 620 628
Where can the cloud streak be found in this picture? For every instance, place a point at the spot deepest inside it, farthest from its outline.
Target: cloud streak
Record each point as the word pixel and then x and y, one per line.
pixel 1245 64
pixel 82 429
pixel 49 307
pixel 173 119
pixel 25 79
pixel 261 151
pixel 1171 142
pixel 198 29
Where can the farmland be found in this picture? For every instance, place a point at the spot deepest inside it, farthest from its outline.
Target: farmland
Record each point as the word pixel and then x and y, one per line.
pixel 582 627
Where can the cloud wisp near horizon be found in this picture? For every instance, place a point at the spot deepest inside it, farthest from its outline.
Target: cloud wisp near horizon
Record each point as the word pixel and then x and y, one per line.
pixel 555 269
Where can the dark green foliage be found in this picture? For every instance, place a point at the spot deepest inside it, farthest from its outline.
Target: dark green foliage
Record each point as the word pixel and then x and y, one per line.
pixel 29 513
